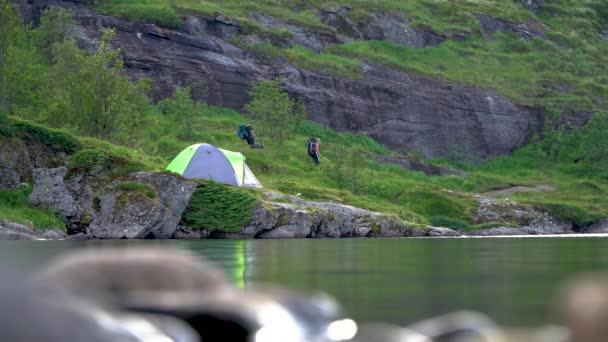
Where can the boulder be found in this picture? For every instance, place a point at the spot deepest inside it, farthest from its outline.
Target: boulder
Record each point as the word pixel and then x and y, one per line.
pixel 598 228
pixel 187 233
pixel 392 28
pixel 133 214
pixel 281 216
pixel 527 30
pixel 90 204
pixel 19 156
pixel 127 215
pixel 54 234
pixel 16 231
pixel 51 193
pixel 174 193
pixel 527 219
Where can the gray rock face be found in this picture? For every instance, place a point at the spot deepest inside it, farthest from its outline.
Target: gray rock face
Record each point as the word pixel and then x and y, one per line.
pixel 134 215
pixel 174 193
pixel 281 216
pixel 20 156
pixel 529 220
pixel 381 26
pixel 51 193
pixel 401 111
pixel 415 113
pixel 315 40
pixel 16 231
pixel 129 215
pixel 105 211
pixel 598 228
pixel 528 30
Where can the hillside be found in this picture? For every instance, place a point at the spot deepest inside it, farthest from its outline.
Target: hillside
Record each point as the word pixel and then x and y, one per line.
pixel 472 80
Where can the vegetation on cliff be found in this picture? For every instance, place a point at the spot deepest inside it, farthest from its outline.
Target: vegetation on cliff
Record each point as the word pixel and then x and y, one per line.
pixel 48 81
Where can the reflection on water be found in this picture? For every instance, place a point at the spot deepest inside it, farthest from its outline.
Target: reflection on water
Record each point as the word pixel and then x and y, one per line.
pixel 394 280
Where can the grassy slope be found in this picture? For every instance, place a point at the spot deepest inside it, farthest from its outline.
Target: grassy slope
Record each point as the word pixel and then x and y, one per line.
pixel 573 56
pixel 380 187
pixel 521 70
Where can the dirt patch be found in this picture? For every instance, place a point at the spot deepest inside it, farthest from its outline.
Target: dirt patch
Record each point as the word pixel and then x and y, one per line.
pixel 514 189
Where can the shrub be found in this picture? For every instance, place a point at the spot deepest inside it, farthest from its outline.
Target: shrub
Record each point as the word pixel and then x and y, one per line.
pixel 443 221
pixel 216 206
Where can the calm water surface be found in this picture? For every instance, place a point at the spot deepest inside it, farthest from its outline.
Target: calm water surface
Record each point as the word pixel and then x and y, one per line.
pixel 514 280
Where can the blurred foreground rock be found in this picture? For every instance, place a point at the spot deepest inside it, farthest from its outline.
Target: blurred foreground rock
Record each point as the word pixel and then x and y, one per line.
pixel 153 294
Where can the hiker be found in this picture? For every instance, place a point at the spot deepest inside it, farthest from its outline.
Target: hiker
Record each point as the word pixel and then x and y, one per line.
pixel 313 149
pixel 250 135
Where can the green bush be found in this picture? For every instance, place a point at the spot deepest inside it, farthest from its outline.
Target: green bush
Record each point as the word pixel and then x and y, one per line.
pixel 443 221
pixel 217 206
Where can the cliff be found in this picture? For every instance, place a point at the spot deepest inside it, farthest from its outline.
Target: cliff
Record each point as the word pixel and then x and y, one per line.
pixel 403 111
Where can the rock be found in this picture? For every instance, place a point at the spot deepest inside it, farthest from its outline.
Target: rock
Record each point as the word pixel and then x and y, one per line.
pixel 19 156
pixel 393 28
pixel 50 193
pixel 598 228
pixel 533 5
pixel 128 215
pixel 135 215
pixel 16 231
pixel 281 216
pixel 79 237
pixel 528 30
pixel 397 30
pixel 174 192
pixel 54 234
pixel 88 202
pixel 604 33
pixel 218 27
pixel 528 219
pixel 187 233
pixel 432 232
pixel 427 169
pixel 315 40
pixel 412 113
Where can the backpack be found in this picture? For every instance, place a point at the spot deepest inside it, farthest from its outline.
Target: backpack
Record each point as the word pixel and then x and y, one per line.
pixel 312 142
pixel 242 132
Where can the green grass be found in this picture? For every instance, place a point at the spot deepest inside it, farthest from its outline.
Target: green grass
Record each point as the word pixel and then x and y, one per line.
pixel 143 189
pixel 14 207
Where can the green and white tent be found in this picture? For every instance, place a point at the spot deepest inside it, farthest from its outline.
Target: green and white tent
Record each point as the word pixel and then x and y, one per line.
pixel 204 161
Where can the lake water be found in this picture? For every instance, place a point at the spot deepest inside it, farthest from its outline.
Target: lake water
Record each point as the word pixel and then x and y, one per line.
pixel 514 280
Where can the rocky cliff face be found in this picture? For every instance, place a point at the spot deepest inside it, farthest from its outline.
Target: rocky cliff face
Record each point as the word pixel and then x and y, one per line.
pixel 402 111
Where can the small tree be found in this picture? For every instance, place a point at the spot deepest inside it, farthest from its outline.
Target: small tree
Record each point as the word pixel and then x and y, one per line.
pixel 183 109
pixel 90 92
pixel 273 108
pixel 11 31
pixel 56 26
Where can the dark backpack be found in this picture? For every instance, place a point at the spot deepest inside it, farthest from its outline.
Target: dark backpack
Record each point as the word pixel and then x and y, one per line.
pixel 242 132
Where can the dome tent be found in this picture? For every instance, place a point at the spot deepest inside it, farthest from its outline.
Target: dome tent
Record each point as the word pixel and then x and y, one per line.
pixel 204 161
